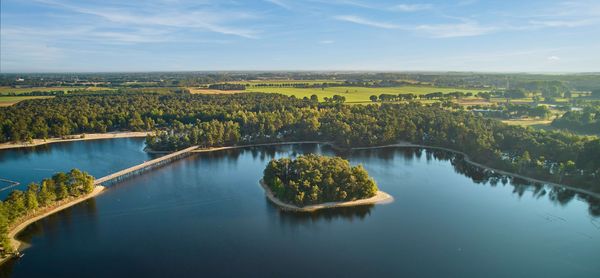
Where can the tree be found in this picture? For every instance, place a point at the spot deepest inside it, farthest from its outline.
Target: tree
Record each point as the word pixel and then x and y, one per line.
pixel 373 98
pixel 31 201
pixel 313 179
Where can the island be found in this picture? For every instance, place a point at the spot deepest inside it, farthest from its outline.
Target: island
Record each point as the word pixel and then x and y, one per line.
pixel 312 182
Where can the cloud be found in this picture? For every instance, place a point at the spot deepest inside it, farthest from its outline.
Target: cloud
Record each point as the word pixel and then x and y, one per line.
pixel 563 23
pixel 411 7
pixel 280 3
pixel 465 29
pixel 553 58
pixel 326 41
pixel 450 30
pixel 366 22
pixel 213 21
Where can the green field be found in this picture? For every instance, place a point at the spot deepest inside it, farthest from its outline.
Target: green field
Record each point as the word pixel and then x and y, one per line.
pixel 357 94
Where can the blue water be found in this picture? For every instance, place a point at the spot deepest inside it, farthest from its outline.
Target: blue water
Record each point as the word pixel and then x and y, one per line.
pixel 98 157
pixel 206 216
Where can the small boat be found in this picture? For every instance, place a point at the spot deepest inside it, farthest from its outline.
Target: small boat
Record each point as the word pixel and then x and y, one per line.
pixel 20 255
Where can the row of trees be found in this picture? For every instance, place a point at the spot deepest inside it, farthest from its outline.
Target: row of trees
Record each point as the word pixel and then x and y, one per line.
pixel 227 87
pixel 19 205
pixel 512 111
pixel 410 96
pixel 313 179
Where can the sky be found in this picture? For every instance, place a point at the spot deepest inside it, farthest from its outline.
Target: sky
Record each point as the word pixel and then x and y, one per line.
pixel 338 35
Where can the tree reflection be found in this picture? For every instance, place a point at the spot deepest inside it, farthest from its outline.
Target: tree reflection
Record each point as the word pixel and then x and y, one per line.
pixel 484 176
pixel 293 218
pixel 558 195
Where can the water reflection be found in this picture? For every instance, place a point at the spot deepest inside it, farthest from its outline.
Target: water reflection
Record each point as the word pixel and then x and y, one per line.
pixel 63 219
pixel 483 176
pixel 292 219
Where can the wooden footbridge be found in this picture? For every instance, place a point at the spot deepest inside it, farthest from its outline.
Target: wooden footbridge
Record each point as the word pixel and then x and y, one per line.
pixel 137 169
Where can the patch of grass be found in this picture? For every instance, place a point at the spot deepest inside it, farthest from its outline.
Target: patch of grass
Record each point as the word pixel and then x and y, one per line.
pixel 537 123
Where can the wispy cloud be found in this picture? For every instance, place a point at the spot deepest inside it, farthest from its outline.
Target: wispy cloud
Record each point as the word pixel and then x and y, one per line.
pixel 465 29
pixel 411 7
pixel 449 30
pixel 553 58
pixel 326 41
pixel 367 22
pixel 280 3
pixel 564 23
pixel 214 21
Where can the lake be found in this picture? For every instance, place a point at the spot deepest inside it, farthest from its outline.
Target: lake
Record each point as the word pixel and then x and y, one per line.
pixel 206 215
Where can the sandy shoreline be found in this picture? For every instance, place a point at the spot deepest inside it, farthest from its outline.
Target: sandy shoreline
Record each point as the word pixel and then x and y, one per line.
pixel 75 137
pixel 18 245
pixel 379 198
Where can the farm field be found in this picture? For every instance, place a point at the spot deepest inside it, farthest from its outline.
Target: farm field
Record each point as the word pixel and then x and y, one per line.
pixel 357 94
pixel 280 81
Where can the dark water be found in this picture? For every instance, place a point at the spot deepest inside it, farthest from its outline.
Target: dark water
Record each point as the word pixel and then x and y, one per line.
pixel 206 216
pixel 98 157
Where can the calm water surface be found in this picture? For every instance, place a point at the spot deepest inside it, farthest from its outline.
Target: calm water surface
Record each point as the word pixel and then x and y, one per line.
pixel 207 216
pixel 98 157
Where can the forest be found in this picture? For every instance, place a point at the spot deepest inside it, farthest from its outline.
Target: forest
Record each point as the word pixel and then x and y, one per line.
pixel 314 179
pixel 21 204
pixel 182 120
pixel 587 120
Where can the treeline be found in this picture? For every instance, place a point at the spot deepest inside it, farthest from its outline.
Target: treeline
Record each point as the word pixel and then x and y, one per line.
pixel 313 179
pixel 36 93
pixel 22 204
pixel 512 111
pixel 410 96
pixel 227 87
pixel 549 155
pixel 98 113
pixel 346 83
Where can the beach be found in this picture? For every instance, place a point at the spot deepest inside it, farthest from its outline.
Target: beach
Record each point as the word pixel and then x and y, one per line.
pixel 379 198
